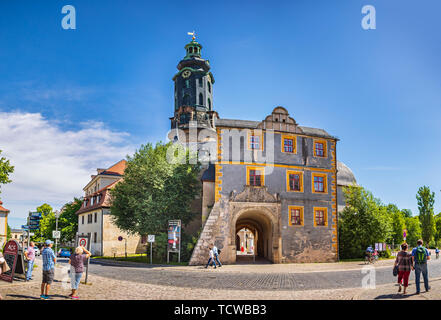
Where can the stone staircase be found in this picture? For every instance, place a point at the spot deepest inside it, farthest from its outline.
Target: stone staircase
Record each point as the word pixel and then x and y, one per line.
pixel 207 237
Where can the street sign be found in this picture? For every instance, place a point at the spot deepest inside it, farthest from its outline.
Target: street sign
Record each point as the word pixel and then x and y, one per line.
pixel 404 234
pixel 34 218
pixel 34 223
pixel 56 234
pixel 33 227
pixel 151 238
pixel 35 214
pixel 83 241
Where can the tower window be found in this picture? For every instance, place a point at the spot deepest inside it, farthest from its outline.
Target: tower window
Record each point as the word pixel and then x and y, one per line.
pixel 187 83
pixel 190 50
pixel 201 99
pixel 200 82
pixel 209 103
pixel 209 86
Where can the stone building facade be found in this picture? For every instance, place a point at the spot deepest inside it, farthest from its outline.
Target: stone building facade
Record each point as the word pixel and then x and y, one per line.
pixel 94 217
pixel 273 177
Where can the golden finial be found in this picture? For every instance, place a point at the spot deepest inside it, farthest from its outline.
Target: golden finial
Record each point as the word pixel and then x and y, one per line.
pixel 193 34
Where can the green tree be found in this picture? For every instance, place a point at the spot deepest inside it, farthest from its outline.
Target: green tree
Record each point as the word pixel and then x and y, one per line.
pixel 154 191
pixel 68 220
pixel 363 222
pixel 407 213
pixel 413 227
pixel 398 224
pixel 47 223
pixel 8 233
pixel 5 170
pixel 426 200
pixel 438 229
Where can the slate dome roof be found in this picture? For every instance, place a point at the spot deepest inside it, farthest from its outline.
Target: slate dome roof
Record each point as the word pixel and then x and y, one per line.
pixel 345 176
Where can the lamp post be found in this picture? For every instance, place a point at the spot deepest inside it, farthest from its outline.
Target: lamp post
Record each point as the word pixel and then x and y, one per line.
pixel 57 214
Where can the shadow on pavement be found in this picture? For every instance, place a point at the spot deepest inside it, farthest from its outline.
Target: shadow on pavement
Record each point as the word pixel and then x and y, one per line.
pixel 394 296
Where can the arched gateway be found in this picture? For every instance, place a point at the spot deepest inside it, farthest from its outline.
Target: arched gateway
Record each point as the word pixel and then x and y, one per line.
pixel 254 208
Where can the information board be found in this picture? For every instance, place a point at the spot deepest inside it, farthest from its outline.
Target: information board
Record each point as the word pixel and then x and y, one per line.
pixel 10 253
pixel 174 238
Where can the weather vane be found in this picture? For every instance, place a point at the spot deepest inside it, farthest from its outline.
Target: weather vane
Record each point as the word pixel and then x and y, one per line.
pixel 193 34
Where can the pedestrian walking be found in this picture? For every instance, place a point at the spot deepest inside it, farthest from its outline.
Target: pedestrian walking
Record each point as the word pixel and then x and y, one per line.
pixel 211 259
pixel 49 260
pixel 420 255
pixel 76 261
pixel 30 257
pixel 404 263
pixel 437 252
pixel 216 253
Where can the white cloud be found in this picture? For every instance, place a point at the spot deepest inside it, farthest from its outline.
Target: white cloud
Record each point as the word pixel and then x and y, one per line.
pixel 53 163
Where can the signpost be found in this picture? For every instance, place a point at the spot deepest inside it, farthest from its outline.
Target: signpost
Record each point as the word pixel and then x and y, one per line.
pixel 56 234
pixel 84 241
pixel 121 239
pixel 404 234
pixel 151 240
pixel 174 239
pixel 14 258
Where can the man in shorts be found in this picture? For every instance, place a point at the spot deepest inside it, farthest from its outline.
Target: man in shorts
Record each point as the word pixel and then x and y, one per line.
pixel 49 260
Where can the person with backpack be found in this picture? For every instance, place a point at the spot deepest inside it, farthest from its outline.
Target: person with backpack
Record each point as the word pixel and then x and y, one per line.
pixel 404 264
pixel 420 255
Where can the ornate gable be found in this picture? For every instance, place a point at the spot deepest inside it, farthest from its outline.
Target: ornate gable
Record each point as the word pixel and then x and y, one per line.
pixel 280 120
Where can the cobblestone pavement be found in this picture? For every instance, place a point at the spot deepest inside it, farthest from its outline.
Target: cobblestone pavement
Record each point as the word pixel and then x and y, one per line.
pixel 147 283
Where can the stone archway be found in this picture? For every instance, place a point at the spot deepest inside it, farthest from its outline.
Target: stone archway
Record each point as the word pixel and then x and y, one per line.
pixel 264 224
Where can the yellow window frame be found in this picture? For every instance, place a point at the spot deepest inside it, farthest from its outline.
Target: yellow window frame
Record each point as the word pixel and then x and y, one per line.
pixel 250 134
pixel 288 172
pixel 325 216
pixel 325 182
pixel 302 220
pixel 262 174
pixel 325 148
pixel 294 143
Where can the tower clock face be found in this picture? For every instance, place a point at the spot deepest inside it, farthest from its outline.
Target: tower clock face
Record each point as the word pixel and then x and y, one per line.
pixel 186 74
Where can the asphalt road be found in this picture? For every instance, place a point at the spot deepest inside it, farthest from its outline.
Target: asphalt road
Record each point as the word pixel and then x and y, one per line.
pixel 248 280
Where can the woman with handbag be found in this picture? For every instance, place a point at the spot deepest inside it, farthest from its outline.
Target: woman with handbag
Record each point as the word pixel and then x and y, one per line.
pixel 403 266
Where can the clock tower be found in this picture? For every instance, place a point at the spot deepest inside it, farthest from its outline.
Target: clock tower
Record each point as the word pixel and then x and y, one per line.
pixel 193 90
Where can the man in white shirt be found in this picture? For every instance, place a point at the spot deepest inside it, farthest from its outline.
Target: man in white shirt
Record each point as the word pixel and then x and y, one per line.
pixel 211 259
pixel 216 253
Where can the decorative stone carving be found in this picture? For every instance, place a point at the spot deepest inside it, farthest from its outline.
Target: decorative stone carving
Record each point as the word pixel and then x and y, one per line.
pixel 254 194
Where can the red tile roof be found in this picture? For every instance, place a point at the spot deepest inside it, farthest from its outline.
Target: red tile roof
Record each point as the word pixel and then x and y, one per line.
pixel 104 200
pixel 2 209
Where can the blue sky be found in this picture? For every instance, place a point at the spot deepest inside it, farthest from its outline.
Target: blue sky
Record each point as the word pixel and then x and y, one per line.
pixel 91 95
